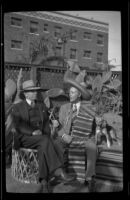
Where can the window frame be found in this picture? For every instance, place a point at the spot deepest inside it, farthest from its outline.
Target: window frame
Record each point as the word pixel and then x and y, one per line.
pixel 46 31
pixel 36 32
pixel 86 38
pixel 16 48
pixel 71 35
pixel 101 54
pixel 99 36
pixel 58 51
pixel 87 51
pixel 57 34
pixel 17 19
pixel 71 54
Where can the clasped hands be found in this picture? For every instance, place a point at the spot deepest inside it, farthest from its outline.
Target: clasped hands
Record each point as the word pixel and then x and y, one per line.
pixel 37 132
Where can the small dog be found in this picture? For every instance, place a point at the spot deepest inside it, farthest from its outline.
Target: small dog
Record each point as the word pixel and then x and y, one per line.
pixel 105 134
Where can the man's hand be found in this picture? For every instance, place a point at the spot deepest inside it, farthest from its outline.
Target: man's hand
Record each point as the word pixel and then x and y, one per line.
pixel 67 138
pixel 37 132
pixel 55 123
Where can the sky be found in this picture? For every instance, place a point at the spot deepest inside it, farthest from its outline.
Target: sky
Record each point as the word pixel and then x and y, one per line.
pixel 113 18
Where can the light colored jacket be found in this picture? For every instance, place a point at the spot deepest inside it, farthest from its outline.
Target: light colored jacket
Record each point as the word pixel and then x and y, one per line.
pixel 65 115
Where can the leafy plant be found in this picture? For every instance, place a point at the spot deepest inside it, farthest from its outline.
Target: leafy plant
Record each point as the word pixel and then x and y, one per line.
pixel 40 48
pixel 105 93
pixel 107 98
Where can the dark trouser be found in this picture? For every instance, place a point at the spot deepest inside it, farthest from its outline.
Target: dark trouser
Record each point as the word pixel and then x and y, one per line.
pixel 47 156
pixel 60 147
pixel 8 142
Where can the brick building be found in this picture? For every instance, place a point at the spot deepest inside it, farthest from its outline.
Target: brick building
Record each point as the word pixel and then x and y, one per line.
pixel 87 43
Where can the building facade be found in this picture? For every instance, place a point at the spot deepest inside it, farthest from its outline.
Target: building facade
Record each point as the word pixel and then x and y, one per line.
pixel 77 39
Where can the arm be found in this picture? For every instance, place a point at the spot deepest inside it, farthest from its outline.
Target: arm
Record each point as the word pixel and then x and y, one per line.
pixel 20 124
pixel 65 127
pixel 46 122
pixel 61 131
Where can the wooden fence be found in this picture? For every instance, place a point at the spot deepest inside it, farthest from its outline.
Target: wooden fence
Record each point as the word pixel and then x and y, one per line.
pixel 45 76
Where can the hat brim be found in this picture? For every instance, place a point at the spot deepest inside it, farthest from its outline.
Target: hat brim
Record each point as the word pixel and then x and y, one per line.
pixel 72 83
pixel 55 93
pixel 31 89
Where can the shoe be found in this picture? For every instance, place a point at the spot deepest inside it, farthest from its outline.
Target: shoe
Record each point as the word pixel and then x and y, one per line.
pixel 65 177
pixel 8 161
pixel 90 185
pixel 43 187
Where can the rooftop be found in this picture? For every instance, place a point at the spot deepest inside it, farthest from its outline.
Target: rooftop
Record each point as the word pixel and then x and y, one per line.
pixel 78 17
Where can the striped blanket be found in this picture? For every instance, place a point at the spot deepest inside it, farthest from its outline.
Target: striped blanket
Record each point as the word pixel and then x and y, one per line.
pixel 109 166
pixel 81 131
pixel 109 170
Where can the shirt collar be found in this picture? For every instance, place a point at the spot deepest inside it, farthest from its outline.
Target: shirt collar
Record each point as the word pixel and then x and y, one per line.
pixel 77 105
pixel 28 101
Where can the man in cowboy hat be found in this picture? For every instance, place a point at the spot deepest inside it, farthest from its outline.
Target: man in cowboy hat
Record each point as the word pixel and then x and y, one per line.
pixel 31 122
pixel 77 109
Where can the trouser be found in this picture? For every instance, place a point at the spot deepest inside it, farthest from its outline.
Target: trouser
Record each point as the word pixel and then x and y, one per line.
pixel 8 142
pixel 60 147
pixel 91 154
pixel 47 156
pixel 90 150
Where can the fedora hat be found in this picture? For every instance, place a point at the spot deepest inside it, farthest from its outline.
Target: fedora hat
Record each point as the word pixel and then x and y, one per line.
pixel 77 81
pixel 29 86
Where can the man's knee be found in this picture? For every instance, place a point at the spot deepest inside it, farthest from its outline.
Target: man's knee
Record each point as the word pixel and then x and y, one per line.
pixel 91 146
pixel 44 141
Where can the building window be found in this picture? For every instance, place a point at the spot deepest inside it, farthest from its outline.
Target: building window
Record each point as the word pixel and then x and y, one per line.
pixel 87 35
pixel 58 51
pixel 16 21
pixel 57 32
pixel 99 57
pixel 73 35
pixel 45 27
pixel 87 54
pixel 73 53
pixel 33 27
pixel 100 39
pixel 15 44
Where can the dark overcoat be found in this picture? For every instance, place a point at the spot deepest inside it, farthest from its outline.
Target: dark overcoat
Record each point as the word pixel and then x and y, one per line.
pixel 23 128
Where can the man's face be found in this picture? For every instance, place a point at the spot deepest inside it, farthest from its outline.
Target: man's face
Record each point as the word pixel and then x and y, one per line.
pixel 74 94
pixel 32 95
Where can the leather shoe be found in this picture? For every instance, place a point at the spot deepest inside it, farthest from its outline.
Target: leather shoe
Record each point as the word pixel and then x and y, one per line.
pixel 90 185
pixel 65 177
pixel 43 187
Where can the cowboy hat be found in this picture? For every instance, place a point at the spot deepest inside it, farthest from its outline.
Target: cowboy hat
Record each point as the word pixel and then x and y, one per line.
pixel 78 82
pixel 29 86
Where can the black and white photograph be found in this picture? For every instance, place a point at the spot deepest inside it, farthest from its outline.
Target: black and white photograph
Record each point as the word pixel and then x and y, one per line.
pixel 63 101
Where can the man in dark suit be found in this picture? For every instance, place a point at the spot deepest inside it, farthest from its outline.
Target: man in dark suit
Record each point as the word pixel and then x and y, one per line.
pixel 31 122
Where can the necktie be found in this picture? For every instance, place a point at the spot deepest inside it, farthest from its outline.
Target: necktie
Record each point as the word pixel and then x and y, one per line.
pixel 74 111
pixel 32 104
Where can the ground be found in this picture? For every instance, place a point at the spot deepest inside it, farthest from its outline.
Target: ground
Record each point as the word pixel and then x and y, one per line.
pixel 14 186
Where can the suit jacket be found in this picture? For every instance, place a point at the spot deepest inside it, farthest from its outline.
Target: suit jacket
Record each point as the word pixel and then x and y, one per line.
pixel 65 115
pixel 20 116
